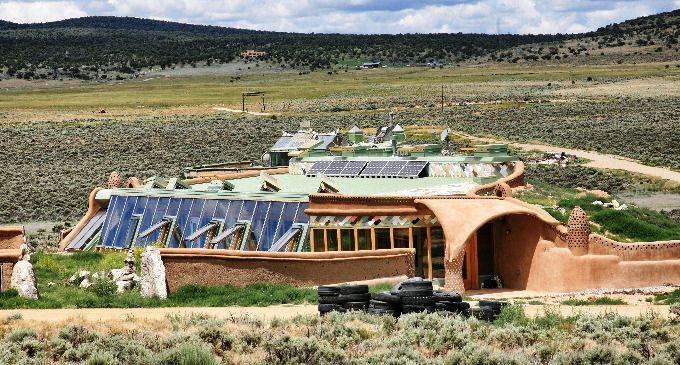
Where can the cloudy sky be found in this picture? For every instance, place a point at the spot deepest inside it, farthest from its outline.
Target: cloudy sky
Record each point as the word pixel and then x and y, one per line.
pixel 356 16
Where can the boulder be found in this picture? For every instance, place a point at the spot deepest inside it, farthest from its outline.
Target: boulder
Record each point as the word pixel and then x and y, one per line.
pixel 23 280
pixel 124 285
pixel 85 283
pixel 153 282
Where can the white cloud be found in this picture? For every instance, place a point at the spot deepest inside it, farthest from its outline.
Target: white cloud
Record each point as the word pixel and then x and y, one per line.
pixel 39 11
pixel 356 16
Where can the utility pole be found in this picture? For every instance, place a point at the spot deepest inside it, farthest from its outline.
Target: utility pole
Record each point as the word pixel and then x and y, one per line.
pixel 442 98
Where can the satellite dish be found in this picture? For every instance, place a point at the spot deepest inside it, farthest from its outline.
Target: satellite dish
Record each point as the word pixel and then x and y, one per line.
pixel 445 134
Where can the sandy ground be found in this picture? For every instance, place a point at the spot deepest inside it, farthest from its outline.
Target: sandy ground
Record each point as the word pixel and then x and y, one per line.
pixel 240 111
pixel 280 311
pixel 598 160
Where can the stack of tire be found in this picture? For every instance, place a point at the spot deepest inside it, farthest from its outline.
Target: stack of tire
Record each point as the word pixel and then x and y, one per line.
pixel 416 296
pixel 451 303
pixel 343 298
pixel 488 310
pixel 383 304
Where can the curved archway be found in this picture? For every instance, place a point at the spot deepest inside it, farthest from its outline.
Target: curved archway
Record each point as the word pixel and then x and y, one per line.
pixel 461 218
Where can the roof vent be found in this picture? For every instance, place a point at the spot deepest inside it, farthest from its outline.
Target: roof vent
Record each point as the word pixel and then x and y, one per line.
pixel 269 183
pixel 328 186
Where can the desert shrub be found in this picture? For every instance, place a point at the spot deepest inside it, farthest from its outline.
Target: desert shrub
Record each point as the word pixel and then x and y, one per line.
pixel 103 287
pixel 77 335
pixel 217 337
pixel 186 354
pixel 20 335
pixel 102 358
pixel 291 350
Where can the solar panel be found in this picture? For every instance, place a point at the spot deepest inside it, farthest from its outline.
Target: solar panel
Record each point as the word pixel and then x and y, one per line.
pixel 335 168
pixel 353 168
pixel 392 168
pixel 412 169
pixel 318 168
pixel 373 168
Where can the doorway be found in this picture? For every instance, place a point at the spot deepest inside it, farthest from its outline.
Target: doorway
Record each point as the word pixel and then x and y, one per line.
pixel 478 264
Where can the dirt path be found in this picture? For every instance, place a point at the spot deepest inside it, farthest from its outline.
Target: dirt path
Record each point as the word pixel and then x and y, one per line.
pixel 598 160
pixel 240 111
pixel 278 311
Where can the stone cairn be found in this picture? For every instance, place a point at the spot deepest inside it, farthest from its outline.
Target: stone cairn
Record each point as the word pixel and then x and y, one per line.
pixel 23 277
pixel 127 278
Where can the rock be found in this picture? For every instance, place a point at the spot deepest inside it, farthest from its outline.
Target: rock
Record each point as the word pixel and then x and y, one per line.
pixel 85 283
pixel 153 282
pixel 597 202
pixel 23 280
pixel 124 285
pixel 116 274
pixel 51 283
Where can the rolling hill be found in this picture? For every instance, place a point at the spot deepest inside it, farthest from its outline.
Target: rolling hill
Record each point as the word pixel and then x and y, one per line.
pixel 121 47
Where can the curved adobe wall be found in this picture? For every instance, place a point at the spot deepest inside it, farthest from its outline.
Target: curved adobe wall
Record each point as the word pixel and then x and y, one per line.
pixel 513 180
pixel 222 267
pixel 635 251
pixel 92 209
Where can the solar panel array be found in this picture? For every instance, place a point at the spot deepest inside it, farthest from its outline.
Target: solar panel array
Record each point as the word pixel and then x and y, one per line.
pixel 343 168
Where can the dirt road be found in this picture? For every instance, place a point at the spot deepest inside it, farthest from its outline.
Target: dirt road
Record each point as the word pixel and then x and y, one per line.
pixel 278 311
pixel 598 160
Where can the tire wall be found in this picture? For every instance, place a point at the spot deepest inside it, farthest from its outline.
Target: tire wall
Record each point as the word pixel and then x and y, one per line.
pixel 240 268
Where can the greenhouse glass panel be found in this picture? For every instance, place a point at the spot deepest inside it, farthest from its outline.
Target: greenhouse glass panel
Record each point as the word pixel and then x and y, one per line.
pixel 232 213
pixel 193 219
pixel 259 219
pixel 208 214
pixel 247 210
pixel 116 206
pixel 147 218
pixel 183 217
pixel 173 211
pixel 128 225
pixel 287 218
pixel 301 217
pixel 157 215
pixel 270 226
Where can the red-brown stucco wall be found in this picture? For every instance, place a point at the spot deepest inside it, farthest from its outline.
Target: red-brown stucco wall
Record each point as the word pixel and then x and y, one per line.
pixel 240 268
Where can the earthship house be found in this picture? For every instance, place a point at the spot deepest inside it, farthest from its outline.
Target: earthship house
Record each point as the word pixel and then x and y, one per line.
pixel 324 212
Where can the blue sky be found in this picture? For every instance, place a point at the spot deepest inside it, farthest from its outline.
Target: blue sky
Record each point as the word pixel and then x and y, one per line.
pixel 357 16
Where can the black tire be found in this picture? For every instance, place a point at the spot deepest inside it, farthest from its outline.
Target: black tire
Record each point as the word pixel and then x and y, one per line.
pixel 452 306
pixel 357 306
pixel 416 285
pixel 363 297
pixel 483 313
pixel 415 293
pixel 329 307
pixel 381 305
pixel 353 289
pixel 493 304
pixel 448 297
pixel 328 290
pixel 335 299
pixel 412 309
pixel 425 300
pixel 386 297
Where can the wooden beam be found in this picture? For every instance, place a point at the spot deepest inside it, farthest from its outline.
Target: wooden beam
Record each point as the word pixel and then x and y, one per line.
pixel 429 253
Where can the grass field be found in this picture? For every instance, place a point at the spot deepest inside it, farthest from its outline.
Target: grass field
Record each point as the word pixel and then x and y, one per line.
pixel 460 85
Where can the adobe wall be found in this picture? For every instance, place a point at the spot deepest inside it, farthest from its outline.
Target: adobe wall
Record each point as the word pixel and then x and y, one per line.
pixel 5 275
pixel 11 237
pixel 240 268
pixel 531 256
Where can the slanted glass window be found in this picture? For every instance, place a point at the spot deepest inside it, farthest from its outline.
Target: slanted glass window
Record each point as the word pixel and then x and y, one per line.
pixel 270 226
pixel 116 205
pixel 159 213
pixel 382 239
pixel 258 222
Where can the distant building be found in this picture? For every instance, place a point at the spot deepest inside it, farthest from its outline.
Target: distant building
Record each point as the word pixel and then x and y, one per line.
pixel 251 53
pixel 371 65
